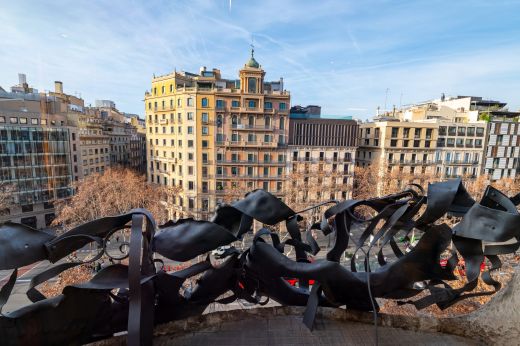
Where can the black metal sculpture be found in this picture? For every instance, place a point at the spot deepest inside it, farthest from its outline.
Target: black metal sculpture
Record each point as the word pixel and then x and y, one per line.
pixel 147 296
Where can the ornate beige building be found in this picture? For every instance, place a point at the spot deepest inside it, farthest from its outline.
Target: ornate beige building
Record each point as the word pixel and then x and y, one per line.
pixel 214 138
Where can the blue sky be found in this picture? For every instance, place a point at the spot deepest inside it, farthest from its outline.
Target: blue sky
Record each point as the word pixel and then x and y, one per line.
pixel 342 55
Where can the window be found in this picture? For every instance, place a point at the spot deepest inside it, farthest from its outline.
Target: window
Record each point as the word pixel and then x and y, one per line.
pixel 452 130
pixel 190 130
pixel 205 144
pixel 395 130
pixel 13 120
pixel 189 102
pixel 220 103
pixel 251 85
pixel 204 102
pixel 283 106
pixel 268 105
pixel 251 104
pixel 190 115
pixel 235 104
pixel 205 130
pixel 190 143
pixel 393 143
pixel 2 119
pixel 282 123
pixel 205 118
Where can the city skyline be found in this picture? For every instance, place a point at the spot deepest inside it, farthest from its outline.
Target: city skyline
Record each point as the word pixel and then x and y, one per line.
pixel 340 55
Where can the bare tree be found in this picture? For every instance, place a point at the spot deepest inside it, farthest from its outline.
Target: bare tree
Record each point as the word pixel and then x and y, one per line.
pixel 310 184
pixel 235 191
pixel 113 192
pixel 168 197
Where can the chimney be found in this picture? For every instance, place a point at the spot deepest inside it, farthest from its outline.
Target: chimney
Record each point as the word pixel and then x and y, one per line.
pixel 58 87
pixel 22 79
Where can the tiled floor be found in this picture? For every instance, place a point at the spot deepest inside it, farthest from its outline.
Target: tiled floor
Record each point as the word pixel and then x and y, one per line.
pixel 289 330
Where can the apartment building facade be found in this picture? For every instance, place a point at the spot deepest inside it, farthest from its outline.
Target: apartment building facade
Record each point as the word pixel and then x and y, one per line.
pixel 321 156
pixel 47 141
pixel 502 151
pixel 214 138
pixel 398 146
pixel 35 154
pixel 460 149
pixel 475 136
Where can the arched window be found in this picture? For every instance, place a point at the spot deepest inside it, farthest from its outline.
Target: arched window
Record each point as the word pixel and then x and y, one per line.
pixel 267 121
pixel 282 123
pixel 251 120
pixel 251 85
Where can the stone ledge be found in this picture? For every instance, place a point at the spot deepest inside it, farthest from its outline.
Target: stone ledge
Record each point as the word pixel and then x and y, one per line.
pixel 497 322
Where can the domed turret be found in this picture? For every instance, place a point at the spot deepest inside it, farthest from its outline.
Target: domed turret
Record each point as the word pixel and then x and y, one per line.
pixel 252 62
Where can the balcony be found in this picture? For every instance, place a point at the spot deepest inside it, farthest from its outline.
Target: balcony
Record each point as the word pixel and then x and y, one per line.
pixel 462 162
pixel 237 162
pixel 251 144
pixel 251 110
pixel 413 162
pixel 253 127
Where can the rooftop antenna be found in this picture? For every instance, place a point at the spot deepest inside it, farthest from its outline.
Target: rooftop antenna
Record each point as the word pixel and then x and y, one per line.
pixel 386 97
